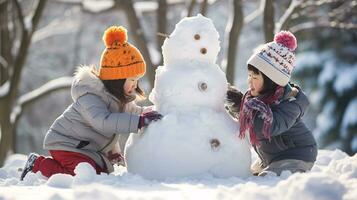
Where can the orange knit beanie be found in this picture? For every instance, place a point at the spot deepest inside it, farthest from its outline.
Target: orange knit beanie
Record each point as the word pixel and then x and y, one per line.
pixel 120 59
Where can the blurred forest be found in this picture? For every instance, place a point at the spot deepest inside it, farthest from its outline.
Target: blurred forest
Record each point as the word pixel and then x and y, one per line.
pixel 42 42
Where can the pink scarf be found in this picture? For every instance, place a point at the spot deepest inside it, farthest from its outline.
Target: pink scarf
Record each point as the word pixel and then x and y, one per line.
pixel 249 108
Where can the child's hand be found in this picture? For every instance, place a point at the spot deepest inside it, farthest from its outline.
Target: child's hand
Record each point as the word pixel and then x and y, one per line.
pixel 115 158
pixel 233 101
pixel 234 96
pixel 148 117
pixel 294 91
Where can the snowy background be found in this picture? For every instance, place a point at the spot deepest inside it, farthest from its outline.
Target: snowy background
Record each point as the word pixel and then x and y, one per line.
pixel 67 37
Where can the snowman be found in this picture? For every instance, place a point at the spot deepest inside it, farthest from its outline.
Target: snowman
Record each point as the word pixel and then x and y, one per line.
pixel 196 136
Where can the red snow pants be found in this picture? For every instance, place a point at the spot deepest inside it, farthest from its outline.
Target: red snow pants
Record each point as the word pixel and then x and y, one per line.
pixel 63 162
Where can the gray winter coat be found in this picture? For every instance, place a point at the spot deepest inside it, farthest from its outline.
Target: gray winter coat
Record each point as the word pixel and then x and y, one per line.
pixel 93 123
pixel 291 139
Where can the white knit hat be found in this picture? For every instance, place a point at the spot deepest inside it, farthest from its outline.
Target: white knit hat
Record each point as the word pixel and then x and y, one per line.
pixel 276 59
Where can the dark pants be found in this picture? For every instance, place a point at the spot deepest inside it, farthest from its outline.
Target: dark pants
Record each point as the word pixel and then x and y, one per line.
pixel 62 162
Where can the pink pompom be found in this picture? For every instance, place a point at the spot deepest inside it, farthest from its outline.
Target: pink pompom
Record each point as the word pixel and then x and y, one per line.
pixel 287 39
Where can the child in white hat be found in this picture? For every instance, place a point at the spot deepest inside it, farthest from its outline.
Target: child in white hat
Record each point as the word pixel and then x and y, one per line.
pixel 271 110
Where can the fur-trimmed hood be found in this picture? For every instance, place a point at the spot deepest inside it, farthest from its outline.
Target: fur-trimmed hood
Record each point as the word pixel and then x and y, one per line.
pixel 87 81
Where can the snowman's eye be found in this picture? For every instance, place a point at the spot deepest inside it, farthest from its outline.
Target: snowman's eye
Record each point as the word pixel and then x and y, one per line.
pixel 202 86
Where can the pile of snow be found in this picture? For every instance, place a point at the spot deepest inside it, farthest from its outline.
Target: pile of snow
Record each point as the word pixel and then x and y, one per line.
pixel 334 177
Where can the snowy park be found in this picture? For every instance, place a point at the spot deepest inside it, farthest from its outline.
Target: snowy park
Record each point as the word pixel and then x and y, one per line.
pixel 333 177
pixel 288 131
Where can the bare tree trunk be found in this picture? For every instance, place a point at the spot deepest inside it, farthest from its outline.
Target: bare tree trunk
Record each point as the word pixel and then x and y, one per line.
pixel 234 28
pixel 5 53
pixel 204 7
pixel 8 137
pixel 190 7
pixel 161 24
pixel 268 22
pixel 5 129
pixel 139 38
pixel 5 45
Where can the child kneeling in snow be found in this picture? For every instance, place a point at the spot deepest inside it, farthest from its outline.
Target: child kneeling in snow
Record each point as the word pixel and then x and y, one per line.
pixel 272 108
pixel 103 110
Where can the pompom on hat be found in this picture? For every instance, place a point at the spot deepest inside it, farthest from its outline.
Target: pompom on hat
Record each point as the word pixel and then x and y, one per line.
pixel 276 59
pixel 120 59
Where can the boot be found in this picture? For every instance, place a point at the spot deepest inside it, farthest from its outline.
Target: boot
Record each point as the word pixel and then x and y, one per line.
pixel 29 165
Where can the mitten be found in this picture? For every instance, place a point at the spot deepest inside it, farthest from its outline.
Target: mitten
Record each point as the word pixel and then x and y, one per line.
pixel 115 158
pixel 146 118
pixel 233 101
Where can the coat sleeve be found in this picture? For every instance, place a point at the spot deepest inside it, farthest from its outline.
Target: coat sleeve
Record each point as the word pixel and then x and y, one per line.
pixel 285 115
pixel 135 109
pixel 94 110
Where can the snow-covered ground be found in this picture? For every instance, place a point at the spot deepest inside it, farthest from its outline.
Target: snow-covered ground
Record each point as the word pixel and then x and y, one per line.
pixel 334 177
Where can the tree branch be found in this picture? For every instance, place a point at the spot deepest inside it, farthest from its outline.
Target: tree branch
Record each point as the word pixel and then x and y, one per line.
pixel 113 8
pixel 24 45
pixel 3 62
pixel 204 7
pixel 268 21
pixel 53 29
pixel 190 7
pixel 284 19
pixel 139 37
pixel 36 15
pixel 6 44
pixel 34 95
pixel 161 24
pixel 312 25
pixel 233 29
pixel 253 15
pixel 20 17
pixel 4 90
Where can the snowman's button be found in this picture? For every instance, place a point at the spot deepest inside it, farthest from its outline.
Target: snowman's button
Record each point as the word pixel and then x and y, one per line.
pixel 203 50
pixel 197 36
pixel 214 143
pixel 202 86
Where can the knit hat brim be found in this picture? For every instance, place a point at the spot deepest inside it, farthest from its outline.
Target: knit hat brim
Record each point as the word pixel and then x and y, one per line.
pixel 113 73
pixel 267 68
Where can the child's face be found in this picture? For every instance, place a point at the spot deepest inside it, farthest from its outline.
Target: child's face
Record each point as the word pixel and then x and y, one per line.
pixel 255 83
pixel 130 85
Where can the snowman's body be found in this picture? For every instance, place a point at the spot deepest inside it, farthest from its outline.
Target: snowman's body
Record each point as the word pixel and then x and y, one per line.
pixel 196 135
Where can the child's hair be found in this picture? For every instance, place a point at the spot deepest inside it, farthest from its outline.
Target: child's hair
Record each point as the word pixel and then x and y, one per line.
pixel 116 88
pixel 269 86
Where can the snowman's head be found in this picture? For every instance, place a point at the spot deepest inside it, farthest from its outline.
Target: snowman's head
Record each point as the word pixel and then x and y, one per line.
pixel 194 38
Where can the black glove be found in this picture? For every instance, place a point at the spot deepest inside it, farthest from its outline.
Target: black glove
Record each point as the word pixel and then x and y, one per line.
pixel 146 118
pixel 234 99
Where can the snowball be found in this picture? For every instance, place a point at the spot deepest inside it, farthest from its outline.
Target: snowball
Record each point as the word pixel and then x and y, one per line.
pixel 85 173
pixel 60 181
